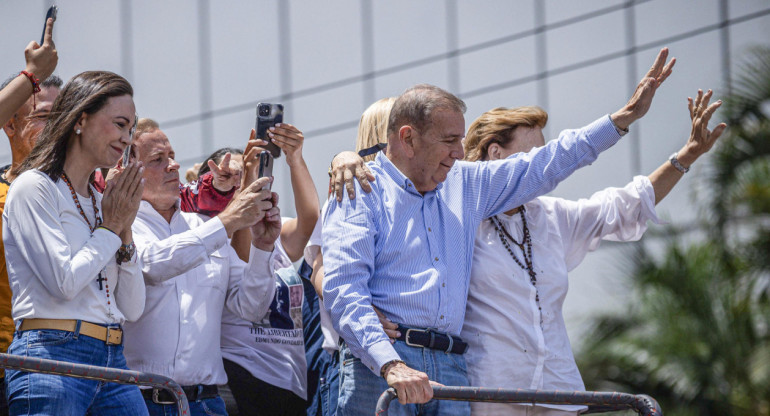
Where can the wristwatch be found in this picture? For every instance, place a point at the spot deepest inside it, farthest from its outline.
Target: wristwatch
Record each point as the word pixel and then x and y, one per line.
pixel 675 162
pixel 386 367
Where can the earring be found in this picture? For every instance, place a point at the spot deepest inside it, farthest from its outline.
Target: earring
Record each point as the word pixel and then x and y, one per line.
pixel 77 131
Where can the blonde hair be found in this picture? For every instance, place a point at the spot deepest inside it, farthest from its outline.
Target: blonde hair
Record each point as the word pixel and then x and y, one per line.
pixel 497 126
pixel 373 127
pixel 145 125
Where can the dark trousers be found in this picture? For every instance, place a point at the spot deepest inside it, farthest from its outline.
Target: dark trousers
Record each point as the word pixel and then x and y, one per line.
pixel 315 356
pixel 257 398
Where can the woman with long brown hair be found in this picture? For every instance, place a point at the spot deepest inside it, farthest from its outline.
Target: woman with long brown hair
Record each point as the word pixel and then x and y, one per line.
pixel 70 253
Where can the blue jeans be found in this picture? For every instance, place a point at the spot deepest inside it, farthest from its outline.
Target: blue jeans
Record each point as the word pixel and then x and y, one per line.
pixel 214 406
pixel 46 394
pixel 329 386
pixel 360 387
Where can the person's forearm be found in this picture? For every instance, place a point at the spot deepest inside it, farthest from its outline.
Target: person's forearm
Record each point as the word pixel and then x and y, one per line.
pixel 308 210
pixel 251 287
pixel 241 243
pixel 179 253
pixel 13 96
pixel 317 277
pixel 665 177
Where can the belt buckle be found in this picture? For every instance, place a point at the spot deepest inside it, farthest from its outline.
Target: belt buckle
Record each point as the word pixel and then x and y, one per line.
pixel 406 337
pixel 156 397
pixel 118 336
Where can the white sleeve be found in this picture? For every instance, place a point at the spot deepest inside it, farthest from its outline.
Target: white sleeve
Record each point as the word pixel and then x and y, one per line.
pixel 614 214
pixel 32 215
pixel 130 292
pixel 164 259
pixel 251 286
pixel 313 247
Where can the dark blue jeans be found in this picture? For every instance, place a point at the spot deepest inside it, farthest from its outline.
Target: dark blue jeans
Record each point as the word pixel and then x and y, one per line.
pixel 360 387
pixel 214 406
pixel 329 385
pixel 46 394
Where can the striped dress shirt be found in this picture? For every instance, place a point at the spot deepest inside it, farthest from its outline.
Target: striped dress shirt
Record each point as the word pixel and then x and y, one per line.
pixel 409 255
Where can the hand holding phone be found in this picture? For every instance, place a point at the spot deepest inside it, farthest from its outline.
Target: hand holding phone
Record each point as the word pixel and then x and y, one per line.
pixel 268 115
pixel 266 167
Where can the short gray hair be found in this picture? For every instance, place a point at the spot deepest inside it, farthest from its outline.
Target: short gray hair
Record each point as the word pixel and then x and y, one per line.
pixel 416 105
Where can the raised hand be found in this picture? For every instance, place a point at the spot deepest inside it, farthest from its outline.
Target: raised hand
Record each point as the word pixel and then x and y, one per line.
pixel 227 175
pixel 701 138
pixel 42 59
pixel 251 159
pixel 345 167
pixel 640 101
pixel 122 196
pixel 248 207
pixel 289 139
pixel 266 231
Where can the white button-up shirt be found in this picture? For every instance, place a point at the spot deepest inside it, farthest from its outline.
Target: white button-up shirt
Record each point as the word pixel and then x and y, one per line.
pixel 508 345
pixel 54 260
pixel 191 273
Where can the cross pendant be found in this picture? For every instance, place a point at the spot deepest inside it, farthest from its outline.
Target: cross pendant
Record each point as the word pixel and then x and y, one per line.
pixel 101 279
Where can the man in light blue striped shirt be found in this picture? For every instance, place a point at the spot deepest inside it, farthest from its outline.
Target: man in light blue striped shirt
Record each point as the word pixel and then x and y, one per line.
pixel 406 247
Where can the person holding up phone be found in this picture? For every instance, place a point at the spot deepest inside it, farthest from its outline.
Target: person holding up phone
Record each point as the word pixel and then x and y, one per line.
pixel 23 113
pixel 193 274
pixel 267 373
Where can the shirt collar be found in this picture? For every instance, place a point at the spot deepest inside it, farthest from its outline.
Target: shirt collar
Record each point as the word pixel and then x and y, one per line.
pixel 148 210
pixel 396 176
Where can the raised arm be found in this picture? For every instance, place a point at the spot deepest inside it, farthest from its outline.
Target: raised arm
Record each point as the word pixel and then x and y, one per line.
pixel 641 100
pixel 701 140
pixel 251 288
pixel 296 233
pixel 505 184
pixel 164 259
pixel 41 61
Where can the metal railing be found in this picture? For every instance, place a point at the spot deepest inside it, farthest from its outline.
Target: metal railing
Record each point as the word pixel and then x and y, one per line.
pixel 92 372
pixel 597 401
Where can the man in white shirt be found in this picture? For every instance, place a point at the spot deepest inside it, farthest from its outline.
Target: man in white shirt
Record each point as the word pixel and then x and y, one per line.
pixel 191 274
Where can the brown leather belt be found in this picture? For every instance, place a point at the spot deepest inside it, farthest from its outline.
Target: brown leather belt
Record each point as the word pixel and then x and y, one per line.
pixel 111 336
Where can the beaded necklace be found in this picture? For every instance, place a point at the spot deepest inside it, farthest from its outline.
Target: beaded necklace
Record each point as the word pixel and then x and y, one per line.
pixel 97 222
pixel 526 253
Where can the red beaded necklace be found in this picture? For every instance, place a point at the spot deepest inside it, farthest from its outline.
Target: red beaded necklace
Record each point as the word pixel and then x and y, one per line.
pixel 97 223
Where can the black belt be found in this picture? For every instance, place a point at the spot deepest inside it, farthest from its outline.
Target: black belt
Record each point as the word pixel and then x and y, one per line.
pixel 428 338
pixel 193 393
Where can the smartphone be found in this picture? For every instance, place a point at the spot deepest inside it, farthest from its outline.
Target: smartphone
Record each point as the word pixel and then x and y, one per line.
pixel 127 150
pixel 266 167
pixel 268 115
pixel 50 15
pixel 126 156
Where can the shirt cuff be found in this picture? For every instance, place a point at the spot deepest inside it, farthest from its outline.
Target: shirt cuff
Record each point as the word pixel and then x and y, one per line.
pixel 602 133
pixel 647 194
pixel 379 354
pixel 213 234
pixel 110 239
pixel 261 258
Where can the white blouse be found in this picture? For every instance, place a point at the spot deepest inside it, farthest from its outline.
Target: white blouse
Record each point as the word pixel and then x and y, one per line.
pixel 512 344
pixel 54 261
